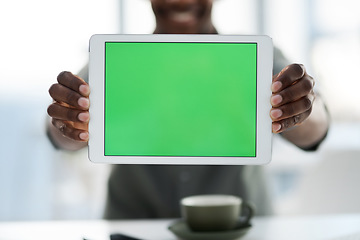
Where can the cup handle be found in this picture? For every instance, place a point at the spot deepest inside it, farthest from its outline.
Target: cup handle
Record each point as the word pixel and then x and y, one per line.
pixel 247 212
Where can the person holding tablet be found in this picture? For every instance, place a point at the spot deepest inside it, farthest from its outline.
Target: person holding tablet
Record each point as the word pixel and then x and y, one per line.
pixel 154 191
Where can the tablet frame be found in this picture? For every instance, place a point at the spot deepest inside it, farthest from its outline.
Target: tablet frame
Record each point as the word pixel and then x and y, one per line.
pixel 97 107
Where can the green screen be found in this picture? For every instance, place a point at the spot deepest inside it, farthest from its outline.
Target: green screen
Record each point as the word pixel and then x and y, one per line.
pixel 180 99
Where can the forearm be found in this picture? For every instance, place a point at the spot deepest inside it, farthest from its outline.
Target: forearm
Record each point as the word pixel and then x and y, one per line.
pixel 313 129
pixel 62 142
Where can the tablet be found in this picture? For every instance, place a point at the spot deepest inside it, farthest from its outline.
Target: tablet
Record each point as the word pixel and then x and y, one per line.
pixel 180 99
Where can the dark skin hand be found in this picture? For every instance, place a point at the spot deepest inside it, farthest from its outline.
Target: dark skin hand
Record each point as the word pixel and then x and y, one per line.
pixel 69 111
pixel 292 97
pixel 296 111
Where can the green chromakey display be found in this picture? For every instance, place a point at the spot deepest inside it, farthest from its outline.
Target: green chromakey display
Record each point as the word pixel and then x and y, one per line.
pixel 180 99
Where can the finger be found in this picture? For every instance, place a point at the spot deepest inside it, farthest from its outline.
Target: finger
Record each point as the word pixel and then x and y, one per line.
pixel 285 124
pixel 73 82
pixel 69 131
pixel 61 93
pixel 301 89
pixel 288 76
pixel 292 109
pixel 58 111
pixel 79 125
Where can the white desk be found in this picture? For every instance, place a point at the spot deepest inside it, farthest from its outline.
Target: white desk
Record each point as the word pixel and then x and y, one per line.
pixel 327 227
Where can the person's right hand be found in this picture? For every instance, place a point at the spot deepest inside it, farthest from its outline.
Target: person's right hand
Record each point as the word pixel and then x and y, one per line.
pixel 69 111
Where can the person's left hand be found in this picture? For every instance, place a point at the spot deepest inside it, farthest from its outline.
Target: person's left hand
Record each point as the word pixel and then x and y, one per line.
pixel 292 97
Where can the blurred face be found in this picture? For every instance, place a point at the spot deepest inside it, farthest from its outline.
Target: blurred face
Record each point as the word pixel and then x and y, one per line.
pixel 183 16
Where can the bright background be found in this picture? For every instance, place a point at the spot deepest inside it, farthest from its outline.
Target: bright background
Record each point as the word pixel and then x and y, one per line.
pixel 41 38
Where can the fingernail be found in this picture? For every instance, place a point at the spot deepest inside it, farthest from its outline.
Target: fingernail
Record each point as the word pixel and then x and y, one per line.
pixel 84 90
pixel 84 136
pixel 276 127
pixel 276 86
pixel 84 117
pixel 83 102
pixel 276 99
pixel 276 113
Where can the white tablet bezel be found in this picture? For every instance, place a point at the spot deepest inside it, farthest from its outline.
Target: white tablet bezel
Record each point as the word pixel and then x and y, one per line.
pixel 264 79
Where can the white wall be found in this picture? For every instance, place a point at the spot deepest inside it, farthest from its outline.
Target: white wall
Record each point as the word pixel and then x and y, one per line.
pixel 38 40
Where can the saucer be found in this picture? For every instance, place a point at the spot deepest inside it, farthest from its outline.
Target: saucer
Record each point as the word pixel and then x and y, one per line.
pixel 181 230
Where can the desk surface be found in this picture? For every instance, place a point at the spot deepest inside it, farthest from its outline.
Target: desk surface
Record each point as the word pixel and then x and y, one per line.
pixel 327 227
